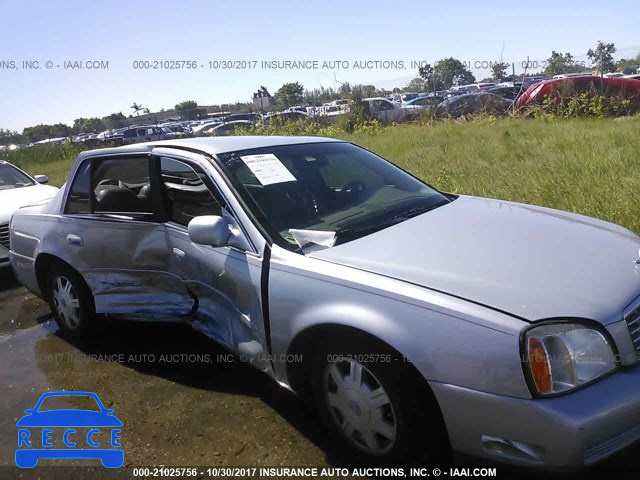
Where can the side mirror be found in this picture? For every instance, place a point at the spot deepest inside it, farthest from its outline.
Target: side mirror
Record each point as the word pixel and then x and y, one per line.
pixel 41 179
pixel 209 230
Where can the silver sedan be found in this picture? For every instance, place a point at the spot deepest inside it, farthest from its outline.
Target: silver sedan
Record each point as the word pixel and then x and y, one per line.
pixel 416 320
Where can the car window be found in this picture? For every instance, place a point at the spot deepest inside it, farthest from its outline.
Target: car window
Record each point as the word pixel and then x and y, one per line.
pixel 187 196
pixel 122 186
pixel 11 177
pixel 382 105
pixel 78 197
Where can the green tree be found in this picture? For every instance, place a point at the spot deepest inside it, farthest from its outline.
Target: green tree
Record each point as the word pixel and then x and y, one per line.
pixel 136 108
pixel 499 70
pixel 344 89
pixel 189 110
pixel 93 125
pixel 446 73
pixel 186 105
pixel 42 132
pixel 78 125
pixel 415 85
pixel 559 63
pixel 627 63
pixel 10 137
pixel 602 57
pixel 290 93
pixel 115 120
pixel 369 91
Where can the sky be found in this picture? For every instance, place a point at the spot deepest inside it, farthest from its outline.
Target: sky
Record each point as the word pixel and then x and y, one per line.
pixel 367 34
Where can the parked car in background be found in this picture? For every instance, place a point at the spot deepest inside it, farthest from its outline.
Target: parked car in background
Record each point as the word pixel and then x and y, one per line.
pixel 18 189
pixel 143 134
pixel 426 101
pixel 228 128
pixel 286 116
pixel 402 98
pixel 421 319
pixel 481 86
pixel 627 87
pixel 387 111
pixel 252 117
pixel 471 103
pixel 508 92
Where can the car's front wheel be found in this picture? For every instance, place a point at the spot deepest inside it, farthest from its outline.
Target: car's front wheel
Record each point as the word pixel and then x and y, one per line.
pixel 70 301
pixel 378 410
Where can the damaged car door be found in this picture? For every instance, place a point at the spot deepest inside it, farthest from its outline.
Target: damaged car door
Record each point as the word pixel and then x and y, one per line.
pixel 225 280
pixel 112 232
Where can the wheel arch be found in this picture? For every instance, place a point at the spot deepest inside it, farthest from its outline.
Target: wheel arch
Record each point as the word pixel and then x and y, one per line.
pixel 307 342
pixel 44 263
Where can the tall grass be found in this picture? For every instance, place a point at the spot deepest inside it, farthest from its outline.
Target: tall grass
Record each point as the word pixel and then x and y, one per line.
pixel 51 160
pixel 584 165
pixel 588 166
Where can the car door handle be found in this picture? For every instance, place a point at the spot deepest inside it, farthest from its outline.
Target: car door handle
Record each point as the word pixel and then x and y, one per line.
pixel 179 253
pixel 74 239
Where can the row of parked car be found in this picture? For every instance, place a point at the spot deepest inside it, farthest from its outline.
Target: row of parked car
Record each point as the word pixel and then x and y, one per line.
pixel 495 98
pixel 502 97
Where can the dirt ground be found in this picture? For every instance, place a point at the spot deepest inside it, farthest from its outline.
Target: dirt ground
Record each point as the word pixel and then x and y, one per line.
pixel 183 401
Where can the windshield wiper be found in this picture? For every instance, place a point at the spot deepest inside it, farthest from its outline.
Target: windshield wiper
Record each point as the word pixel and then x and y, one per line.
pixel 367 229
pixel 414 212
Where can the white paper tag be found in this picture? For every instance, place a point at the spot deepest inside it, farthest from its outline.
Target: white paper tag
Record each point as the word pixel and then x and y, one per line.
pixel 268 169
pixel 318 237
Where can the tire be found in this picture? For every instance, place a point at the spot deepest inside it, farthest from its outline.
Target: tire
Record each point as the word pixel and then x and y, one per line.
pixel 70 301
pixel 378 409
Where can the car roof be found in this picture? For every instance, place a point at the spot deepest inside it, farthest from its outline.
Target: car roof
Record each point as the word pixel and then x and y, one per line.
pixel 210 145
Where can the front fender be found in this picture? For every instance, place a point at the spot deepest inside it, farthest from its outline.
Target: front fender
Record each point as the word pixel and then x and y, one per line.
pixel 465 345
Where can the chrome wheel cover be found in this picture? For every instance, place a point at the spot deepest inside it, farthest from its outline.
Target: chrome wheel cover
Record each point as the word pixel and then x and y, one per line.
pixel 66 302
pixel 360 406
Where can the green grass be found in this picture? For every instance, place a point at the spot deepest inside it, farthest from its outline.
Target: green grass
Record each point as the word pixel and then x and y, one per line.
pixel 588 166
pixel 51 160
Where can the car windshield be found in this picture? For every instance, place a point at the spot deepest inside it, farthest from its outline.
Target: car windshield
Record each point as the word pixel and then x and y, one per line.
pixel 336 188
pixel 11 177
pixel 66 402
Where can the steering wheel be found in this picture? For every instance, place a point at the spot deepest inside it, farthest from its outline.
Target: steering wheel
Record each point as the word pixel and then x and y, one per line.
pixel 302 197
pixel 107 181
pixel 354 186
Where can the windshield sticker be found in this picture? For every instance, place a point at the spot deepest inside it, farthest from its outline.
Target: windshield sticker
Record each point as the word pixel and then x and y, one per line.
pixel 268 169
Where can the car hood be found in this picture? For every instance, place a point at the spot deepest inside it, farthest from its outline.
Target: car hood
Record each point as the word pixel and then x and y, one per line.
pixel 14 198
pixel 531 262
pixel 69 418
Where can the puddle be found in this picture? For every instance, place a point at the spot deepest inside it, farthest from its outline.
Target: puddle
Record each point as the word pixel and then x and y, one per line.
pixel 179 404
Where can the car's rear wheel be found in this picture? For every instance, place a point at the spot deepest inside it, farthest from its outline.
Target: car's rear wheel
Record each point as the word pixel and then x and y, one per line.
pixel 375 405
pixel 70 301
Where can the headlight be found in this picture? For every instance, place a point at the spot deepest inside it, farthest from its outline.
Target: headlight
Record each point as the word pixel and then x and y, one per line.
pixel 564 356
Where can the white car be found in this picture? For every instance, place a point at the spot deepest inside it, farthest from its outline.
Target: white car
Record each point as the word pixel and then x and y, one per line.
pixel 17 189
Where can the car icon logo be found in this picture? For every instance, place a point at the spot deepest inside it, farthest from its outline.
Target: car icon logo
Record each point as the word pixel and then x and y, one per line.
pixel 70 424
